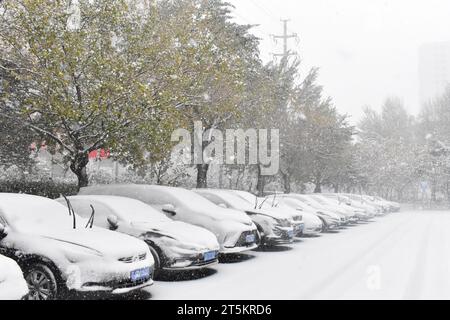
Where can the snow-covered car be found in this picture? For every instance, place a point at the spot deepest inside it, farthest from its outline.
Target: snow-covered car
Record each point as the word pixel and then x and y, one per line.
pixel 12 284
pixel 343 218
pixel 59 251
pixel 313 225
pixel 363 212
pixel 354 214
pixel 274 228
pixel 363 200
pixel 393 206
pixel 294 217
pixel 349 214
pixel 330 220
pixel 234 230
pixel 175 245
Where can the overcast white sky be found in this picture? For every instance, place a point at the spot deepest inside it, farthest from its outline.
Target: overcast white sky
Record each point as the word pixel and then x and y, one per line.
pixel 366 49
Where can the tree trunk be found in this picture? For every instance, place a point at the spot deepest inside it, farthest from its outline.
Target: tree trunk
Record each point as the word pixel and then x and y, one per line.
pixel 286 182
pixel 336 188
pixel 261 183
pixel 202 176
pixel 318 188
pixel 78 167
pixel 318 184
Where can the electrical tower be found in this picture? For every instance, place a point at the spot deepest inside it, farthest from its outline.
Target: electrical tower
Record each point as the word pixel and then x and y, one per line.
pixel 285 37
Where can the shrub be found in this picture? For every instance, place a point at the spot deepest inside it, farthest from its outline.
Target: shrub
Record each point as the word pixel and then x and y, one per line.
pixel 49 188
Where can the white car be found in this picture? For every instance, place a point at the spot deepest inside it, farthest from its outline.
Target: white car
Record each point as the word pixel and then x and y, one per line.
pixel 313 225
pixel 348 213
pixel 363 212
pixel 175 245
pixel 330 220
pixel 365 201
pixel 393 206
pixel 344 218
pixel 274 228
pixel 12 283
pixel 58 251
pixel 234 230
pixel 262 203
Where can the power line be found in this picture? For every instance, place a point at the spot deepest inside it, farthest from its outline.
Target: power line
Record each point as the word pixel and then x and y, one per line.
pixel 266 11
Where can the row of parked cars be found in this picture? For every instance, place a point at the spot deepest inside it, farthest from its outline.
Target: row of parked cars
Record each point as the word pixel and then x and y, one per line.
pixel 118 238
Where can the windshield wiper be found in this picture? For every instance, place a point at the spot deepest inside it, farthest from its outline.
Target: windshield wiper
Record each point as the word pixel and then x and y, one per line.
pixel 71 211
pixel 90 222
pixel 273 200
pixel 260 206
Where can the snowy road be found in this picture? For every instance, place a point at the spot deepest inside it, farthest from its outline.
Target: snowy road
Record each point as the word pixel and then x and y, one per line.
pixel 400 256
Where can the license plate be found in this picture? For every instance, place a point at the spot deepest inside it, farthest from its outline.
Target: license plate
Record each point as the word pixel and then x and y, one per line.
pixel 140 274
pixel 211 255
pixel 250 238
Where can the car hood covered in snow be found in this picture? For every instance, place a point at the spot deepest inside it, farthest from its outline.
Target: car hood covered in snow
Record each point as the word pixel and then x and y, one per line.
pixel 103 242
pixel 185 233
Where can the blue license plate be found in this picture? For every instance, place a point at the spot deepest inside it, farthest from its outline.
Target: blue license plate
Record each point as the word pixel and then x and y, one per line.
pixel 208 256
pixel 250 238
pixel 140 274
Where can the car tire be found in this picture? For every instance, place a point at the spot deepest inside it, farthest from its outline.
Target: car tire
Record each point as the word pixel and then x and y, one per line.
pixel 261 237
pixel 157 267
pixel 324 225
pixel 41 283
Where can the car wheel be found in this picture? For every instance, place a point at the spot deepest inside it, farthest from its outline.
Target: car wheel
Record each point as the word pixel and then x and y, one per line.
pixel 41 283
pixel 324 225
pixel 260 235
pixel 157 267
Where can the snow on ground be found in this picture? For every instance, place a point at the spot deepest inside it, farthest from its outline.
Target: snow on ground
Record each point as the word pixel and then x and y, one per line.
pixel 400 256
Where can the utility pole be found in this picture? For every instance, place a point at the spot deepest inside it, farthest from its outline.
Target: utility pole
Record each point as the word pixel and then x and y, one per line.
pixel 285 37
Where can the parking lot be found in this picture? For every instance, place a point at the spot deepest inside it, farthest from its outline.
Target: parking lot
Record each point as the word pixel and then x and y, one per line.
pixel 399 256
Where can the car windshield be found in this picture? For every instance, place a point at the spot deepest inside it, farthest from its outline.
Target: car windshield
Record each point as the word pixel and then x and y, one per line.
pixel 36 214
pixel 236 201
pixel 295 203
pixel 321 200
pixel 354 197
pixel 247 196
pixel 135 211
pixel 192 200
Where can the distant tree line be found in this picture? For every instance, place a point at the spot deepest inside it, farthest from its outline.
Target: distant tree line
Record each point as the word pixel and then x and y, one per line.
pixel 122 75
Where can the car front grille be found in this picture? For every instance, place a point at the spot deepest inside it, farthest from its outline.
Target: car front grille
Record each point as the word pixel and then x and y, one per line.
pixel 132 259
pixel 242 239
pixel 118 284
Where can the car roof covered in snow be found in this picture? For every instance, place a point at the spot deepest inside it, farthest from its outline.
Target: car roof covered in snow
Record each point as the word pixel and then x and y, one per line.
pixel 27 211
pixel 151 194
pixel 11 203
pixel 127 208
pixel 161 195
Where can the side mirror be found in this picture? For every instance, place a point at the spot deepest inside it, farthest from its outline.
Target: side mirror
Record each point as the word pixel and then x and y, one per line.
pixel 223 205
pixel 170 209
pixel 113 222
pixel 3 231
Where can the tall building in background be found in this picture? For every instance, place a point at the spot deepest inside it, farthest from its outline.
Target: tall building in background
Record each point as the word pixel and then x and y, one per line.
pixel 434 70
